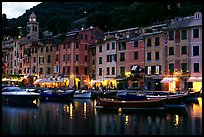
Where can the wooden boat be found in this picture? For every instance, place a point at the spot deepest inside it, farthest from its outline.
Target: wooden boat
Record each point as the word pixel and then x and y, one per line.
pixel 108 94
pixel 131 96
pixel 172 99
pixel 193 94
pixel 82 94
pixel 54 95
pixel 142 104
pixel 16 94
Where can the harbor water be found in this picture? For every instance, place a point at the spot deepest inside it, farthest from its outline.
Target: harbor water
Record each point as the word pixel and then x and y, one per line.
pixel 81 117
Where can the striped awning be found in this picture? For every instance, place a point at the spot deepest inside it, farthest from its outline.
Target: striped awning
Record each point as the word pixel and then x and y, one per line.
pixel 168 79
pixel 195 79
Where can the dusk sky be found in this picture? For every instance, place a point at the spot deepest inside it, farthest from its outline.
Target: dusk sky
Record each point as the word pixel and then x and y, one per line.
pixel 16 9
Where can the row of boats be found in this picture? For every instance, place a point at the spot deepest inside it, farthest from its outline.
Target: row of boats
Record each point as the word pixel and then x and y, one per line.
pixel 118 99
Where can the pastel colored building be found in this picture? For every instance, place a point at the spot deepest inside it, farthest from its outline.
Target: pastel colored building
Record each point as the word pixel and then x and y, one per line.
pixel 184 48
pixel 154 41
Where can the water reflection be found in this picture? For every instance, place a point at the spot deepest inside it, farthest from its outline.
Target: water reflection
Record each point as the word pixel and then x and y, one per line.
pixel 80 117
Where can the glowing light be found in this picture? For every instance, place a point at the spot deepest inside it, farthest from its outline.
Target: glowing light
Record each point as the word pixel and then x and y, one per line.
pixel 126 120
pixel 176 120
pixel 34 101
pixel 85 110
pixel 71 113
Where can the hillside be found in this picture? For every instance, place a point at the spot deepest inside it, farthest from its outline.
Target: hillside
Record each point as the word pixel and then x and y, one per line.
pixel 60 17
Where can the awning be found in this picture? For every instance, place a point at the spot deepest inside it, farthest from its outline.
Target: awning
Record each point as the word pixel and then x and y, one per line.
pixel 195 79
pixel 134 68
pixel 61 80
pixel 95 81
pixel 167 80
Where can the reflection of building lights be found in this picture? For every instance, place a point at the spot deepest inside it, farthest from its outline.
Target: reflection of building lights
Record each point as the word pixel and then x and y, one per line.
pixel 66 108
pixel 94 104
pixel 70 113
pixel 84 109
pixel 119 111
pixel 35 102
pixel 126 120
pixel 176 120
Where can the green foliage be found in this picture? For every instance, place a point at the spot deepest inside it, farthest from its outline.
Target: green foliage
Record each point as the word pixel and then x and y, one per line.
pixel 59 17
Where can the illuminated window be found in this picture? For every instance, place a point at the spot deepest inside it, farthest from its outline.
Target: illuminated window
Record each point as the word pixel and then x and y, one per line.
pixel 149 70
pixel 157 69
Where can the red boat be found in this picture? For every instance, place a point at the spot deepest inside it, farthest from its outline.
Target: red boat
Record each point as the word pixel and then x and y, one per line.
pixel 138 104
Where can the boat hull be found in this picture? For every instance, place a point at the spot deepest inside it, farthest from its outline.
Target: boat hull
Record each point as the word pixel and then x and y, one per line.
pixel 19 98
pixel 57 96
pixel 145 104
pixel 82 95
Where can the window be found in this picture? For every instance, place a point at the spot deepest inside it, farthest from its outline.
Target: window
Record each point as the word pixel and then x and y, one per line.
pixel 122 56
pixel 196 67
pixel 85 70
pixel 177 36
pixel 57 57
pixel 93 61
pixel 69 45
pixel 195 50
pixel 64 56
pixel 184 34
pixel 113 70
pixel 135 55
pixel 77 57
pixel 184 50
pixel 100 48
pixel 48 70
pixel 100 60
pixel 57 48
pixel 81 36
pixel 171 50
pixel 68 69
pixel 100 71
pixel 149 43
pixel 171 35
pixel 113 45
pixel 107 46
pixel 77 45
pixel 41 49
pixel 63 70
pixel 41 70
pixel 135 44
pixel 34 58
pixel 86 37
pixel 195 33
pixel 122 71
pixel 77 69
pixel 85 46
pixel 47 48
pixel 50 48
pixel 85 59
pixel 64 46
pixel 157 41
pixel 171 68
pixel 157 70
pixel 184 67
pixel 122 46
pixel 157 55
pixel 108 58
pixel 148 55
pixel 68 57
pixel 149 70
pixel 107 71
pixel 48 59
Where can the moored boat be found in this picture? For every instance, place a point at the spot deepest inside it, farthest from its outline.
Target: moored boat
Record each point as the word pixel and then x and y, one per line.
pixel 82 94
pixel 133 104
pixel 16 94
pixel 57 95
